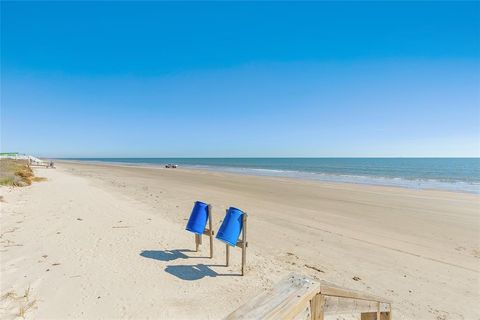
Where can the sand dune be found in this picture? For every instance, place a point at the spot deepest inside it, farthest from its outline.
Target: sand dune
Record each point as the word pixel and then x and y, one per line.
pixel 100 241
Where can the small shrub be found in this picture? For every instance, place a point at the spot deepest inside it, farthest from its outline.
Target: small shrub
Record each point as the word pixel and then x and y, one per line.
pixel 17 173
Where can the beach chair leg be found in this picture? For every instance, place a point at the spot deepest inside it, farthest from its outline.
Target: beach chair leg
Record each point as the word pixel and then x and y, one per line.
pixel 198 241
pixel 211 246
pixel 243 260
pixel 227 255
pixel 211 230
pixel 244 243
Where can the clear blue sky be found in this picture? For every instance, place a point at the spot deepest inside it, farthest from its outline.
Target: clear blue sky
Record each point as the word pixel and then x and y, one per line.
pixel 159 79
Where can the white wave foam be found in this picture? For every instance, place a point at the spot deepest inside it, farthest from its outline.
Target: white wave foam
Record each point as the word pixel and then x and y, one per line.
pixel 458 186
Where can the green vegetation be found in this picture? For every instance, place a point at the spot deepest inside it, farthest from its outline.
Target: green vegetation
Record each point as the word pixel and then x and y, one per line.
pixel 16 173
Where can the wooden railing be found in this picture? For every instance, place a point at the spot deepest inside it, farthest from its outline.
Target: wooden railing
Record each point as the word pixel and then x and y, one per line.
pixel 299 297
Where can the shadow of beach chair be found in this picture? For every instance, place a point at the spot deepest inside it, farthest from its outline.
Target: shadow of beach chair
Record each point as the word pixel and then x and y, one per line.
pixel 168 255
pixel 165 255
pixel 195 272
pixel 191 272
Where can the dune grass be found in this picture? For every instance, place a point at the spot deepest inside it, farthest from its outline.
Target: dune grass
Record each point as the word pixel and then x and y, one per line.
pixel 24 301
pixel 16 173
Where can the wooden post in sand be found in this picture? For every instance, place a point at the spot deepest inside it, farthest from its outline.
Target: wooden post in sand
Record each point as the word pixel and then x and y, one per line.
pixel 208 232
pixel 244 243
pixel 198 241
pixel 227 253
pixel 227 248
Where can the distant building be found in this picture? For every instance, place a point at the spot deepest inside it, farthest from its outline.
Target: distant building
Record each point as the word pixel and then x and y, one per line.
pixel 9 155
pixel 18 156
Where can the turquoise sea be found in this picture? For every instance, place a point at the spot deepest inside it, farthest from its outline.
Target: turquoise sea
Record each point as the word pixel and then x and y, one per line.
pixel 455 174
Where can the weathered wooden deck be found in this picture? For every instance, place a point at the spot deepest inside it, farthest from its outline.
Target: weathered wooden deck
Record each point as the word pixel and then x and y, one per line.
pixel 299 297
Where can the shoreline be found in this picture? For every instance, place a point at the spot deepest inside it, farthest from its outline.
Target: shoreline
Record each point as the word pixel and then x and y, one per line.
pixel 114 238
pixel 281 177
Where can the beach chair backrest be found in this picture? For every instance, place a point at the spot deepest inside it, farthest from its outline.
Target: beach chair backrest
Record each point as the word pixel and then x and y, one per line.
pixel 231 227
pixel 198 218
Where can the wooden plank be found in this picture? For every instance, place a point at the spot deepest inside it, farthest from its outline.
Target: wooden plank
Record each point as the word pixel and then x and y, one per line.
pixel 299 297
pixel 227 255
pixel 244 241
pixel 287 299
pixel 331 290
pixel 227 249
pixel 305 314
pixel 317 307
pixel 373 316
pixel 385 315
pixel 368 316
pixel 346 306
pixel 314 307
pixel 197 242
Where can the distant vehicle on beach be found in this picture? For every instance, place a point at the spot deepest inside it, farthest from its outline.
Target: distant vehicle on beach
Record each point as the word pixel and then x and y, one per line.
pixel 170 165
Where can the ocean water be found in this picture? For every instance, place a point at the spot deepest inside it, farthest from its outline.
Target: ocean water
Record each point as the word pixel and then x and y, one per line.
pixel 454 174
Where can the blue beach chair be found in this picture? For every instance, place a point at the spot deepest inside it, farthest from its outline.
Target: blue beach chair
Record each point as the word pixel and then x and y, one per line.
pixel 234 223
pixel 201 214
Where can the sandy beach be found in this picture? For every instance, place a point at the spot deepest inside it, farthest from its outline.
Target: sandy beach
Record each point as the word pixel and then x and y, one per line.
pixel 104 241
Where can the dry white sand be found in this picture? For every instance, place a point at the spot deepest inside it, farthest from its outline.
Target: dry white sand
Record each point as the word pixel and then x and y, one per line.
pixel 99 241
